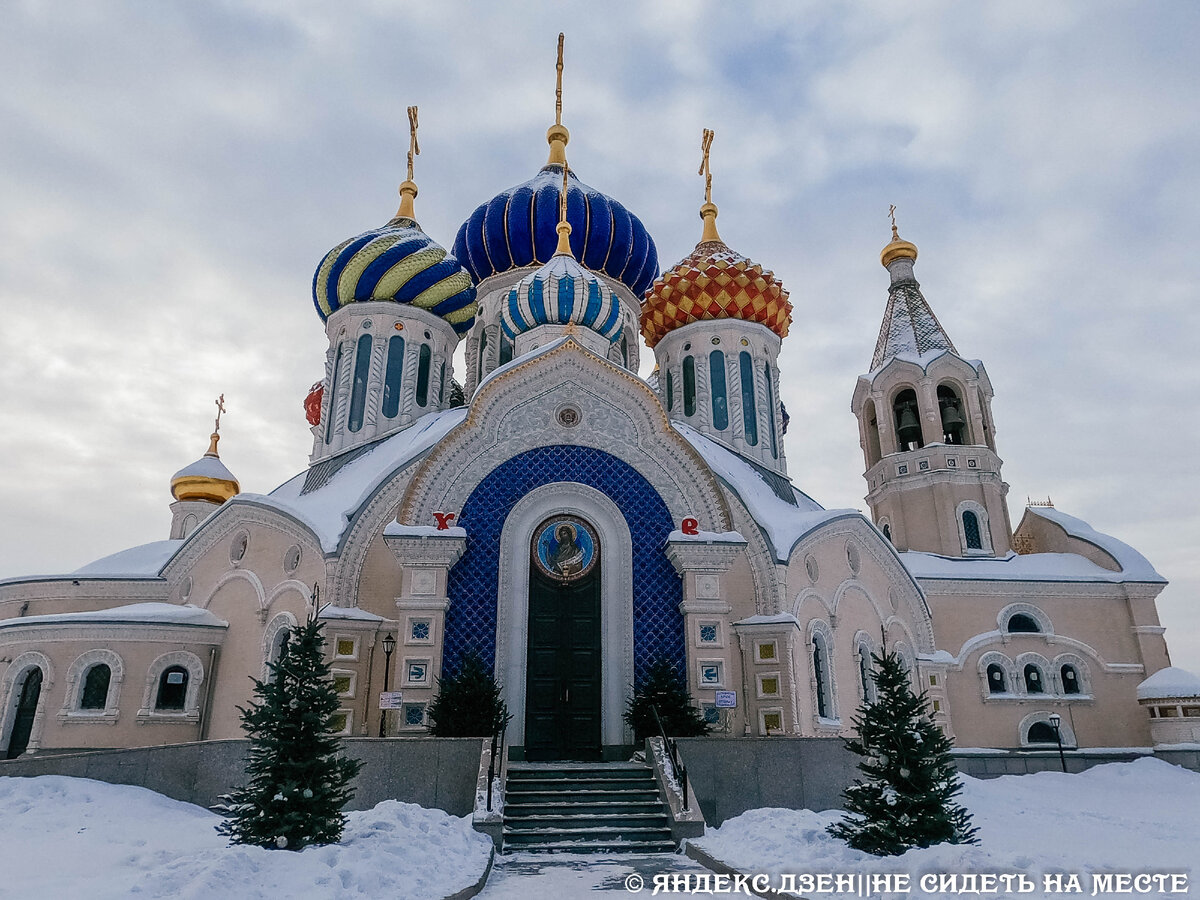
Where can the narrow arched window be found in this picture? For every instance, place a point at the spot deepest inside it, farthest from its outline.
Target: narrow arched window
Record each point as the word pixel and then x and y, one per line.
pixel 689 386
pixel 95 687
pixel 393 374
pixel 771 411
pixel 864 674
pixel 997 684
pixel 172 689
pixel 749 410
pixel 506 348
pixel 358 394
pixel 423 363
pixel 971 531
pixel 821 671
pixel 1023 624
pixel 908 420
pixel 1035 682
pixel 1042 733
pixel 720 397
pixel 670 390
pixel 625 348
pixel 1070 679
pixel 887 531
pixel 334 379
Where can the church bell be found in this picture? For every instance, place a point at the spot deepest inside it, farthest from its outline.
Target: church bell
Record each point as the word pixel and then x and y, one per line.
pixel 909 428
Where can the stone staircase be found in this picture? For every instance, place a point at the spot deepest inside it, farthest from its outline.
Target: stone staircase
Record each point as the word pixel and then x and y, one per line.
pixel 585 808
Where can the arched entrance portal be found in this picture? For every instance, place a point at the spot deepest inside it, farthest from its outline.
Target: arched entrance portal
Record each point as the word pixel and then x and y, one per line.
pixel 27 701
pixel 563 660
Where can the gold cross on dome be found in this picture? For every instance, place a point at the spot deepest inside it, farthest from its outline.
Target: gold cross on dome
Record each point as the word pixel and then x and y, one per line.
pixel 892 214
pixel 558 82
pixel 220 409
pixel 414 148
pixel 705 170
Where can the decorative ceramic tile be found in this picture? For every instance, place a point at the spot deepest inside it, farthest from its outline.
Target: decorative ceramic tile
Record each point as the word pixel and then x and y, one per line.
pixel 473 584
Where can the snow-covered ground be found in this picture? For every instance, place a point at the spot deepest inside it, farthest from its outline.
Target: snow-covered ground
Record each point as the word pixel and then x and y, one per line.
pixel 1137 817
pixel 72 837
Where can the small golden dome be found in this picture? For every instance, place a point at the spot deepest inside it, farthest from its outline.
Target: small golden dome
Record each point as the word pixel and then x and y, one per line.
pixel 896 248
pixel 206 479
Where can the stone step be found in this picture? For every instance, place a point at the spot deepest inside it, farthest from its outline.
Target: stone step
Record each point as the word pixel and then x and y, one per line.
pixel 607 820
pixel 599 847
pixel 539 785
pixel 581 796
pixel 607 770
pixel 524 837
pixel 515 810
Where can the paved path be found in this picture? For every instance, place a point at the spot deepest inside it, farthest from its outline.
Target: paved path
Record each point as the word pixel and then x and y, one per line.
pixel 566 876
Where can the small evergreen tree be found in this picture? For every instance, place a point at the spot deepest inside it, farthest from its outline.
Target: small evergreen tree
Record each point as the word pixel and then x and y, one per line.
pixel 666 691
pixel 468 702
pixel 906 799
pixel 299 781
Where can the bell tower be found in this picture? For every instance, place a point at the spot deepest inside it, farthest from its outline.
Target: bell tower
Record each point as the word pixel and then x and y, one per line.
pixel 925 426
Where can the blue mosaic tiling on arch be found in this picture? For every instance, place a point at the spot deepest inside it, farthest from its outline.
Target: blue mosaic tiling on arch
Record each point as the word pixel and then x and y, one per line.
pixel 474 581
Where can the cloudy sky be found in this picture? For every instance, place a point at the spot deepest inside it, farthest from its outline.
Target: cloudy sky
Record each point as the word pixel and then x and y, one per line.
pixel 171 173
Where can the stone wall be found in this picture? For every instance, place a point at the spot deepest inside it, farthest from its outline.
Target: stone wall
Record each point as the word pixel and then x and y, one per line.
pixel 438 773
pixel 732 776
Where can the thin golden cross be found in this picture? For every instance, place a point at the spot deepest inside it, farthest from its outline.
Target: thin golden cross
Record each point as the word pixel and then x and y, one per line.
pixel 220 409
pixel 558 84
pixel 414 148
pixel 892 214
pixel 706 146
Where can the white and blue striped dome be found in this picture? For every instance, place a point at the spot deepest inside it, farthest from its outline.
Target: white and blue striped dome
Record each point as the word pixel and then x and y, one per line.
pixel 560 293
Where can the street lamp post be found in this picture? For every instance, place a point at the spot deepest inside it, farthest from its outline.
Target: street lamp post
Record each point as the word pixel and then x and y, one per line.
pixel 1055 720
pixel 389 644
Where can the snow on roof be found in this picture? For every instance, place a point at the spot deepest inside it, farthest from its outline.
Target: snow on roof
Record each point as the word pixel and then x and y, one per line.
pixel 159 613
pixel 329 508
pixel 777 619
pixel 782 523
pixel 1013 567
pixel 526 357
pixel 349 612
pixel 708 537
pixel 144 561
pixel 205 467
pixel 1169 682
pixel 395 529
pixel 1134 566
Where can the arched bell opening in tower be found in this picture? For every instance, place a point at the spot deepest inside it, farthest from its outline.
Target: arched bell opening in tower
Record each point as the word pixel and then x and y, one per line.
pixel 871 431
pixel 954 426
pixel 908 422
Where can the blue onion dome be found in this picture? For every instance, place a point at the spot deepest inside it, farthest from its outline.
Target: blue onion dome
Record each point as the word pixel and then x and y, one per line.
pixel 516 228
pixel 560 293
pixel 400 263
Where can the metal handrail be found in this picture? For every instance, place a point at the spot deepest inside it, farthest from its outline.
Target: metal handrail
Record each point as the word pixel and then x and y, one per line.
pixel 678 770
pixel 499 739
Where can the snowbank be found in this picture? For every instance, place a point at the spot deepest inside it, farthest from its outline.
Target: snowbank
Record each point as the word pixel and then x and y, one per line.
pixel 1120 817
pixel 72 837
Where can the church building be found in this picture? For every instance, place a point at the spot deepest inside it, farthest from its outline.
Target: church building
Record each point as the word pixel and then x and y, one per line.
pixel 571 523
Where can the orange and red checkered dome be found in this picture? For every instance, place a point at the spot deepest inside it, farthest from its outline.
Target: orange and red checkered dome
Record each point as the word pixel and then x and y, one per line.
pixel 714 283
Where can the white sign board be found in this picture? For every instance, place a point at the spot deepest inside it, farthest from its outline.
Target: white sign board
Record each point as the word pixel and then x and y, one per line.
pixel 391 699
pixel 726 699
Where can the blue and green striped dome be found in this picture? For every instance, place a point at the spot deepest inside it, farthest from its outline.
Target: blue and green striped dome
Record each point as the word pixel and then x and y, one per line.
pixel 400 263
pixel 559 293
pixel 516 228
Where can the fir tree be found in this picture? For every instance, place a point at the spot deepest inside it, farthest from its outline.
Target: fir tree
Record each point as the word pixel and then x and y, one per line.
pixel 664 689
pixel 468 702
pixel 906 800
pixel 298 779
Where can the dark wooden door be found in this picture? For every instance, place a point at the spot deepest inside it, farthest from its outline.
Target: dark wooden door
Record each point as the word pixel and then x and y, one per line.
pixel 562 690
pixel 18 740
